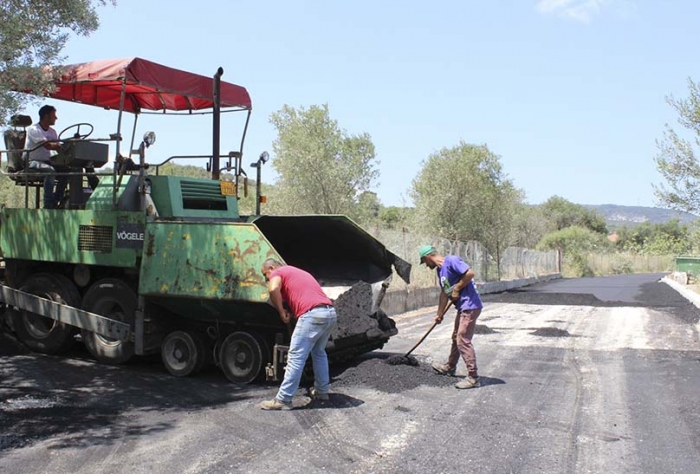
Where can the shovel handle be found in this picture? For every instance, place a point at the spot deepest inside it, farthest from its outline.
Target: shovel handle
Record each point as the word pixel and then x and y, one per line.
pixel 449 303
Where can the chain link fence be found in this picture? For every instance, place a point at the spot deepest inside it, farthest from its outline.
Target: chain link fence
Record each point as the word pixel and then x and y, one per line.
pixel 516 262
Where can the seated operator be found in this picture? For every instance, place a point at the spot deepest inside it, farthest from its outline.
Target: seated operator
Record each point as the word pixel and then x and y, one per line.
pixel 42 132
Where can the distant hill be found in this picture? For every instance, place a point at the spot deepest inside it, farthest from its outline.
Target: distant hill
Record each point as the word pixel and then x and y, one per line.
pixel 617 216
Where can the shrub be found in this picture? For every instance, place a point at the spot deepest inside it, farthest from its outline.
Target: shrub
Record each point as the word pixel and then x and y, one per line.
pixel 620 264
pixel 576 265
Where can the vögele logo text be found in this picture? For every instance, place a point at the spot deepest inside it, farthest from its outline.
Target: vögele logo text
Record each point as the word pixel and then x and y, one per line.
pixel 124 235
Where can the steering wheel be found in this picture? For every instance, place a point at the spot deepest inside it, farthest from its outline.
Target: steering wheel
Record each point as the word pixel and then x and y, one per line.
pixel 77 135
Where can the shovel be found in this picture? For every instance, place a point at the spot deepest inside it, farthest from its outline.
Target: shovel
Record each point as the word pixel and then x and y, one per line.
pixel 449 304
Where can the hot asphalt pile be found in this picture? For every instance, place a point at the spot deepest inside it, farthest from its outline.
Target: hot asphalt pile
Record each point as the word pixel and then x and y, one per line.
pixel 352 308
pixel 402 360
pixel 377 374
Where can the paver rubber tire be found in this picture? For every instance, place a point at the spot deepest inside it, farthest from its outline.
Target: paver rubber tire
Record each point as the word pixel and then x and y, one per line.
pixel 112 298
pixel 43 334
pixel 183 353
pixel 243 356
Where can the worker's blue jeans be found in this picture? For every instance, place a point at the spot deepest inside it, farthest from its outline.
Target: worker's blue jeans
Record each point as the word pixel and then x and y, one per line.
pixel 52 198
pixel 310 337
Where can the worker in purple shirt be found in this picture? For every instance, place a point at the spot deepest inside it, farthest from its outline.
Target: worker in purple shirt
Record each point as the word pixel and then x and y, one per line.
pixel 456 281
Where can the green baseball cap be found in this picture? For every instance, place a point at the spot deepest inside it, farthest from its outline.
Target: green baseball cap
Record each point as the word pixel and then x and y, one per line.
pixel 425 251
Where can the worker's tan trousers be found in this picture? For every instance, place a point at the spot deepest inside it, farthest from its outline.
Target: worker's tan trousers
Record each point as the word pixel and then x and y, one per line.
pixel 465 322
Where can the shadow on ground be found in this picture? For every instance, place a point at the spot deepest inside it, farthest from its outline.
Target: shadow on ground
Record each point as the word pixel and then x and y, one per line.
pixel 486 381
pixel 81 402
pixel 335 401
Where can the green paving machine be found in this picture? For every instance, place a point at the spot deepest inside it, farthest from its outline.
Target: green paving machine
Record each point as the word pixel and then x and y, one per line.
pixel 142 263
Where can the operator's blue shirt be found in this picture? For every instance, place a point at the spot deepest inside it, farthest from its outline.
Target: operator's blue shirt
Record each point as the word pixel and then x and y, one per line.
pixel 449 274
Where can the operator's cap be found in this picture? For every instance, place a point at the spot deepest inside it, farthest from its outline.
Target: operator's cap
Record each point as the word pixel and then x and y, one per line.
pixel 425 251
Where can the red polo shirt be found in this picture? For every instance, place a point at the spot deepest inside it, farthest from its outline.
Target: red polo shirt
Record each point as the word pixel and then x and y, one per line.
pixel 300 290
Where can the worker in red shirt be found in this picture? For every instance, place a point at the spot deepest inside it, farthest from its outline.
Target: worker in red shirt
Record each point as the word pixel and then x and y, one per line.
pixel 315 320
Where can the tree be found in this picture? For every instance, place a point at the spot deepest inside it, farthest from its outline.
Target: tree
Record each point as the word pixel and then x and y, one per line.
pixel 368 207
pixel 32 36
pixel 394 217
pixel 531 225
pixel 562 214
pixel 322 169
pixel 462 193
pixel 676 160
pixel 575 239
pixel 575 243
pixel 500 203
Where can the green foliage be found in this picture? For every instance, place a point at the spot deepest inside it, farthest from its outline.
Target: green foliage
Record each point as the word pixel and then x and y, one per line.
pixel 187 171
pixel 322 169
pixel 676 160
pixel 12 195
pixel 531 224
pixel 32 35
pixel 694 239
pixel 575 239
pixel 562 214
pixel 576 243
pixel 368 207
pixel 463 194
pixel 665 245
pixel 620 264
pixel 576 265
pixel 394 217
pixel 656 239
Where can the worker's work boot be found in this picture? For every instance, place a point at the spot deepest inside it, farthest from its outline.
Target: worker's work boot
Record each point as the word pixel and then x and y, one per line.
pixel 275 404
pixel 313 393
pixel 468 382
pixel 444 369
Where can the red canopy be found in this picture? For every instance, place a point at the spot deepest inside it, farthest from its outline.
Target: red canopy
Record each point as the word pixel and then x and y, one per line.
pixel 149 86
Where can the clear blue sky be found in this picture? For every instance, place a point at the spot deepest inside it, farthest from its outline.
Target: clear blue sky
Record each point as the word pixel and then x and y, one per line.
pixel 569 93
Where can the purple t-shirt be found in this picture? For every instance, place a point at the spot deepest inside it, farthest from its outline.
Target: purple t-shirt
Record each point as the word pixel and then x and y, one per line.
pixel 449 274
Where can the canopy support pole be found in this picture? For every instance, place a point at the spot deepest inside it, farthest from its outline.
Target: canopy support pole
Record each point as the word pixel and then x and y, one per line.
pixel 115 188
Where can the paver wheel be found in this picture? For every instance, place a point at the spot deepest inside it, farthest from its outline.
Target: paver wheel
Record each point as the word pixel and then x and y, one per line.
pixel 183 353
pixel 114 299
pixel 242 357
pixel 43 334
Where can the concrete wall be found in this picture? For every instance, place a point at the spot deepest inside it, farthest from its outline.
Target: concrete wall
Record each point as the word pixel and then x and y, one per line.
pixel 400 301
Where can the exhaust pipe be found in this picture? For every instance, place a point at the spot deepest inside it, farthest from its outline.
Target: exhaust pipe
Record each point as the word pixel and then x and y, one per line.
pixel 217 124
